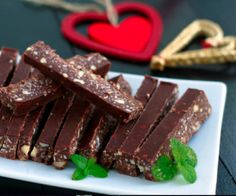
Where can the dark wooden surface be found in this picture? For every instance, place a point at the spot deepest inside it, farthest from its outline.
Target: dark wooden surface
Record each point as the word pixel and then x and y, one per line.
pixel 21 25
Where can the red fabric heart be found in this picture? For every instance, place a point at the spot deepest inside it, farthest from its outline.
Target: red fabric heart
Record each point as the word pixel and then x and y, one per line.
pixel 132 34
pixel 70 22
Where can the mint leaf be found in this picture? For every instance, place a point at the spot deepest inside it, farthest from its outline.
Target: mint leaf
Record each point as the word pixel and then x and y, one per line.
pixel 89 165
pixel 85 167
pixel 78 174
pixel 164 169
pixel 188 172
pixel 182 153
pixel 80 161
pixel 98 171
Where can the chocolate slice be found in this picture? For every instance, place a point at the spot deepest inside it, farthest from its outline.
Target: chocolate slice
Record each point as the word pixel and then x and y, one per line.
pixel 26 95
pixel 7 64
pixel 72 131
pixel 184 119
pixel 5 113
pixel 143 94
pixel 159 105
pixel 29 132
pixel 43 149
pixel 101 125
pixel 83 82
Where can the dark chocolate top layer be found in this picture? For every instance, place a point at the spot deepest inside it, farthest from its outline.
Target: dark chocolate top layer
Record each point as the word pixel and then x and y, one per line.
pixel 143 94
pixel 154 111
pixel 83 82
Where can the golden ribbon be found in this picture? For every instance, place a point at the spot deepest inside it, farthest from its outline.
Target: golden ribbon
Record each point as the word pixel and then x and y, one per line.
pixel 223 49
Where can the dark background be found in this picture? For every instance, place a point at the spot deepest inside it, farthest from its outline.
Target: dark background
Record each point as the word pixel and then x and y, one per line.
pixel 21 25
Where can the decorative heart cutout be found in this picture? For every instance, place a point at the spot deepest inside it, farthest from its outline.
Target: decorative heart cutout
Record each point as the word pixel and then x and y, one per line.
pixel 126 36
pixel 217 48
pixel 141 54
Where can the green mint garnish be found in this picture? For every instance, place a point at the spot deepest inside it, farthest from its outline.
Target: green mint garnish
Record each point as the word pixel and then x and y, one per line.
pixel 188 172
pixel 182 153
pixel 79 161
pixel 164 169
pixel 184 161
pixel 78 174
pixel 85 167
pixel 98 171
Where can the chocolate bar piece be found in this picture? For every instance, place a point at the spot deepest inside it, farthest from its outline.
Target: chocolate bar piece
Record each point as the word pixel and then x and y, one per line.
pixel 21 73
pixel 26 95
pixel 184 119
pixel 99 130
pixel 122 84
pixel 95 62
pixel 5 113
pixel 92 140
pixel 72 131
pixel 143 94
pixel 29 132
pixel 159 105
pixel 83 82
pixel 7 63
pixel 43 149
pixel 38 90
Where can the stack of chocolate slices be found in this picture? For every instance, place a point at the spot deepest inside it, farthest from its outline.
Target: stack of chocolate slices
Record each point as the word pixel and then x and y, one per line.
pixel 52 108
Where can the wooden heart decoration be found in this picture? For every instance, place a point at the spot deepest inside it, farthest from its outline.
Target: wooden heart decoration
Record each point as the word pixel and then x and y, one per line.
pixel 138 50
pixel 217 48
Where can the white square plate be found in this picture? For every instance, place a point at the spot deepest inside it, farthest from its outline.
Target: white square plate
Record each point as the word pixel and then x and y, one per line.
pixel 206 143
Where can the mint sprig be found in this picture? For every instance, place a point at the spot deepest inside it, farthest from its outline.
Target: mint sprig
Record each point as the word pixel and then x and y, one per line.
pixel 184 160
pixel 85 167
pixel 164 169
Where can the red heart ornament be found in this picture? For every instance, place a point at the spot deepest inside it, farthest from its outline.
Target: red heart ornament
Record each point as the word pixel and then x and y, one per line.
pixel 126 36
pixel 144 54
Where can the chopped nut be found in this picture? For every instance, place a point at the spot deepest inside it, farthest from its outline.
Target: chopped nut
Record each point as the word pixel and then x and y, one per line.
pixel 80 73
pixel 35 53
pixel 19 99
pixel 79 81
pixel 43 144
pixel 209 110
pixel 65 75
pixel 118 153
pixel 28 49
pixel 93 76
pixel 141 168
pixel 25 92
pixel 93 67
pixel 43 60
pixel 34 152
pixel 120 101
pixel 118 86
pixel 25 149
pixel 59 164
pixel 195 108
pixel 132 162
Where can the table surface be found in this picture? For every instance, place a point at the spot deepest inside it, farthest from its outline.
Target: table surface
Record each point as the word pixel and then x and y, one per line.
pixel 22 24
